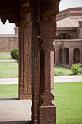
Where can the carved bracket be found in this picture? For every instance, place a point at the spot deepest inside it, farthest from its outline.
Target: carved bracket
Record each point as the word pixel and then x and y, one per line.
pixel 47 98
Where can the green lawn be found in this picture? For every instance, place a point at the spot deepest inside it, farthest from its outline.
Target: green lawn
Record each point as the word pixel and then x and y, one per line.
pixel 5 56
pixel 8 70
pixel 9 91
pixel 68 98
pixel 61 71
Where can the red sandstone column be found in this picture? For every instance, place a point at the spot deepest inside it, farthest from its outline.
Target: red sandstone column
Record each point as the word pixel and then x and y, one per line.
pixel 36 86
pixel 43 31
pixel 81 55
pixel 70 56
pixel 56 55
pixel 25 40
pixel 47 109
pixel 63 56
pixel 35 59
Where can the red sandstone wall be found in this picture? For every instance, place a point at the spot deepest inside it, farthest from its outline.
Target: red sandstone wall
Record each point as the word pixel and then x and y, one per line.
pixel 69 12
pixel 8 43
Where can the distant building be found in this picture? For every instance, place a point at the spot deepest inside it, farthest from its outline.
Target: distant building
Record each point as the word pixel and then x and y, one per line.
pixel 68 43
pixel 8 41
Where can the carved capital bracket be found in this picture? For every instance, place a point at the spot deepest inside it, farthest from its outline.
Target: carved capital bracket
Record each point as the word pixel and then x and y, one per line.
pixel 49 8
pixel 48 46
pixel 47 98
pixel 25 15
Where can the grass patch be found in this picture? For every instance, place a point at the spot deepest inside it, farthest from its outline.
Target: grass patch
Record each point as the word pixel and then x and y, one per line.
pixel 62 71
pixel 5 56
pixel 8 91
pixel 68 98
pixel 8 70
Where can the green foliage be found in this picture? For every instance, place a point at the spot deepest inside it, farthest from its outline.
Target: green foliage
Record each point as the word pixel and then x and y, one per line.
pixel 62 71
pixel 14 54
pixel 76 68
pixel 59 73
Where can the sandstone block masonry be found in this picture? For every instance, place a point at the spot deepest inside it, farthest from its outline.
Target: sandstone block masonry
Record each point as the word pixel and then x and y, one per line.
pixel 8 42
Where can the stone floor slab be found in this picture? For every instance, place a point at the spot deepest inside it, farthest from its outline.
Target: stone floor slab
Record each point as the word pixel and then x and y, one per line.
pixel 15 111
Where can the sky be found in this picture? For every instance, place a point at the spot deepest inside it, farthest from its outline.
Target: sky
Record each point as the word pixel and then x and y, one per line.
pixel 8 28
pixel 64 4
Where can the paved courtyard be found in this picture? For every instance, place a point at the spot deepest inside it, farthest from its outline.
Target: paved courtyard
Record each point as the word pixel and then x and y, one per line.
pixel 57 79
pixel 12 60
pixel 8 80
pixel 14 111
pixel 62 79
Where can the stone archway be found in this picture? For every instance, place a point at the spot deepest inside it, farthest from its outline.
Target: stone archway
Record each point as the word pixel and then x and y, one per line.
pixel 76 55
pixel 63 36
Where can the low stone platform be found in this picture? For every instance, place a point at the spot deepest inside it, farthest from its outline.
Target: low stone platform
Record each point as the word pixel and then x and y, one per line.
pixel 15 111
pixel 16 122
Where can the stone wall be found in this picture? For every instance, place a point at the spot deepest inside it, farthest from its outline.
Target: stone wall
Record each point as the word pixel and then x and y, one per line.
pixel 69 12
pixel 8 42
pixel 71 44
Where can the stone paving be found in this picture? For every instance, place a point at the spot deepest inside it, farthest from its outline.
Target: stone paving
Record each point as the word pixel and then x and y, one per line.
pixel 8 80
pixel 57 79
pixel 11 60
pixel 15 111
pixel 61 79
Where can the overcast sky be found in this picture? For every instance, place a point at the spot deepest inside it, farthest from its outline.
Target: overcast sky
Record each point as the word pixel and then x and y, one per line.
pixel 64 4
pixel 7 28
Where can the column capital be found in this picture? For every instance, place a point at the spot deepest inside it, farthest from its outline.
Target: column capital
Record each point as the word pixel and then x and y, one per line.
pixel 49 8
pixel 25 15
pixel 48 46
pixel 47 98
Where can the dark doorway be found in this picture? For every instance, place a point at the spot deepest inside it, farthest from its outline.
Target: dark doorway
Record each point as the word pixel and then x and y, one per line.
pixel 76 55
pixel 60 56
pixel 66 56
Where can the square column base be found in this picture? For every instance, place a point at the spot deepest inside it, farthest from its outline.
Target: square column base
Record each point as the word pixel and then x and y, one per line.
pixel 47 114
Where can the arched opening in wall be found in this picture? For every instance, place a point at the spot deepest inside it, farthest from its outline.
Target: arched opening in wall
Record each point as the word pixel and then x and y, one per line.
pixel 8 60
pixel 66 56
pixel 60 56
pixel 63 36
pixel 76 55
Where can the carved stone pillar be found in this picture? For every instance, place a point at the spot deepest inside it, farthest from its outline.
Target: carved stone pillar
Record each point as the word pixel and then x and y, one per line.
pixel 44 27
pixel 35 59
pixel 63 56
pixel 81 55
pixel 47 109
pixel 56 55
pixel 70 56
pixel 25 51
